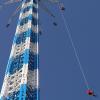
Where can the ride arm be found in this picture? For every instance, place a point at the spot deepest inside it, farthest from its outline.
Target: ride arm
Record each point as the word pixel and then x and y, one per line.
pixel 13 15
pixel 8 2
pixel 46 9
pixel 60 4
pixel 11 1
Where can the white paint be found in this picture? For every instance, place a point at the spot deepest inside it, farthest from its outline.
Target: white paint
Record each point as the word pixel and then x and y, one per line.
pixel 23 28
pixel 33 48
pixel 32 79
pixel 26 14
pixel 17 50
pixel 34 28
pixel 29 4
pixel 37 46
pixel 15 79
pixel 23 76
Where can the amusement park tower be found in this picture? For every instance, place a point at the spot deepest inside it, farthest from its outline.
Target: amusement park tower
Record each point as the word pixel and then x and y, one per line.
pixel 21 80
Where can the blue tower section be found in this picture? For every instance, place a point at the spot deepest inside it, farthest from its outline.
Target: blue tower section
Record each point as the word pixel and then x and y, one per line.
pixel 21 80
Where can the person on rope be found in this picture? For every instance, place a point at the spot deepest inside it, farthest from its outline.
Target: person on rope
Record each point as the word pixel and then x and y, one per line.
pixel 54 23
pixel 62 6
pixel 90 92
pixel 7 25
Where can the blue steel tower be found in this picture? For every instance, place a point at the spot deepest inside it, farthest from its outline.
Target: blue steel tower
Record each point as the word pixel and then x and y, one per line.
pixel 21 81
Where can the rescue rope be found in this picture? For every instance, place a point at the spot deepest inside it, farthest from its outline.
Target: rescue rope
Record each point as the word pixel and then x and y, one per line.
pixel 73 46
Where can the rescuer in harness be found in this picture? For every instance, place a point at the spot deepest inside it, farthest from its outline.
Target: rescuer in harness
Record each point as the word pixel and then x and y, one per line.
pixel 90 92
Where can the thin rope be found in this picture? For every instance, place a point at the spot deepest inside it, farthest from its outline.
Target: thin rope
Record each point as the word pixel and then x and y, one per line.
pixel 72 43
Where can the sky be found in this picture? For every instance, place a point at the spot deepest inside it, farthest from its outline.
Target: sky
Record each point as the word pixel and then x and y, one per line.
pixel 60 76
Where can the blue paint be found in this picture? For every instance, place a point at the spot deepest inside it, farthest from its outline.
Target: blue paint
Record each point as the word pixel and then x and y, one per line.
pixel 32 94
pixel 34 21
pixel 26 9
pixel 26 1
pixel 33 63
pixel 25 20
pixel 35 10
pixel 27 57
pixel 33 37
pixel 12 96
pixel 35 1
pixel 22 95
pixel 20 38
pixel 16 63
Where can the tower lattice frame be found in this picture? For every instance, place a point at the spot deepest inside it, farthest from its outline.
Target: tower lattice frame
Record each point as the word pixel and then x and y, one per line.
pixel 21 80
